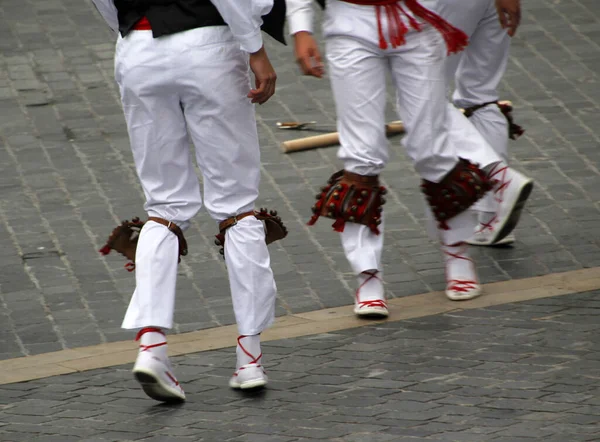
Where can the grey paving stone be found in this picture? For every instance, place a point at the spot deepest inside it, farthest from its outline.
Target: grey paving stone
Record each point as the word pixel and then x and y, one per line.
pixel 57 94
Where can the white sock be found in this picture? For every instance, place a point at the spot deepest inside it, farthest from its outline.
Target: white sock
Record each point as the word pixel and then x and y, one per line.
pixel 370 288
pixel 459 265
pixel 152 338
pixel 252 345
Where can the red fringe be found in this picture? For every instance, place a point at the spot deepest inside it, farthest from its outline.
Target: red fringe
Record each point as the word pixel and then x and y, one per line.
pixel 339 225
pixel 105 250
pixel 313 220
pixel 456 40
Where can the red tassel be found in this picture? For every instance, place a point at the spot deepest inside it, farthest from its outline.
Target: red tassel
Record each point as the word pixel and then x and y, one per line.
pixel 339 225
pixel 130 266
pixel 456 40
pixel 105 250
pixel 312 220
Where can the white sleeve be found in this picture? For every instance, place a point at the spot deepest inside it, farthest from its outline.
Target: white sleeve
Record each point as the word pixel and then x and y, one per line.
pixel 244 18
pixel 107 9
pixel 300 14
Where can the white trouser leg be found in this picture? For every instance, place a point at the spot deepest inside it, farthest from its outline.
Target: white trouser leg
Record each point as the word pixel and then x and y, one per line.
pixel 357 75
pixel 157 131
pixel 222 124
pixel 156 258
pixel 417 74
pixel 251 279
pixel 362 247
pixel 477 72
pixel 196 80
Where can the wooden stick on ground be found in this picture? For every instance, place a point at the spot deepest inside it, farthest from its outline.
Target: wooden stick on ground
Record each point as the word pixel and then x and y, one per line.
pixel 330 139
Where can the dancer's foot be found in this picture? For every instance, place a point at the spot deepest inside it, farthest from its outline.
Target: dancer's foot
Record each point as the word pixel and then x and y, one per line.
pixel 461 277
pixel 370 297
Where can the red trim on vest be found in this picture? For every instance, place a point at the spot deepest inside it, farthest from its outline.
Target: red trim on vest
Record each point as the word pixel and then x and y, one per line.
pixel 142 25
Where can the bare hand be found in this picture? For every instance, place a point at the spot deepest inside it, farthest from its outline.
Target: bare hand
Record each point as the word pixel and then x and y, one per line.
pixel 308 56
pixel 265 77
pixel 509 13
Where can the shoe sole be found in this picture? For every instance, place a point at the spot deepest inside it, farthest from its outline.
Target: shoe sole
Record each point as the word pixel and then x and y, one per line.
pixel 248 385
pixel 503 242
pixel 155 389
pixel 465 297
pixel 372 312
pixel 515 214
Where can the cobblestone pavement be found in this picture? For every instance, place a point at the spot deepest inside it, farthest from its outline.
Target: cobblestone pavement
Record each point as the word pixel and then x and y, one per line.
pixel 519 372
pixel 66 177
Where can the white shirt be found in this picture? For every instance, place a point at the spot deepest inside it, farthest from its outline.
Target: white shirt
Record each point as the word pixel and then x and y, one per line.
pixel 244 18
pixel 300 15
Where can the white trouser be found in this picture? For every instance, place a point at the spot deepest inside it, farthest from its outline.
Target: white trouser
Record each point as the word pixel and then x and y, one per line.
pixel 195 81
pixel 357 68
pixel 476 72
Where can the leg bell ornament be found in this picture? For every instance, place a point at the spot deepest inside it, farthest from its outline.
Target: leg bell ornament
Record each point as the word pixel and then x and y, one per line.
pixel 460 189
pixel 349 197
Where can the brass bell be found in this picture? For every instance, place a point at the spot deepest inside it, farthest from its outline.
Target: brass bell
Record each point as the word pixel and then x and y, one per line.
pixel 218 243
pixel 364 193
pixel 351 219
pixel 336 195
pixel 382 201
pixel 314 209
pixel 332 206
pixel 354 208
pixel 359 201
pixel 273 213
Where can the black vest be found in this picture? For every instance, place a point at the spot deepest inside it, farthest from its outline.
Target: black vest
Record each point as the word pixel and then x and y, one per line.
pixel 172 16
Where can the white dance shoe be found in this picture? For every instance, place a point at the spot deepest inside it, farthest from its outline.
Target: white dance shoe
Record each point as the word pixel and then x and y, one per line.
pixel 249 373
pixel 461 277
pixel 511 193
pixel 156 377
pixel 370 298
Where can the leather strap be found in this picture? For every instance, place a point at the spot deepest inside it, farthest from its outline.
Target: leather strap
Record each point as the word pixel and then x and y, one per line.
pixel 362 179
pixel 232 221
pixel 469 111
pixel 183 248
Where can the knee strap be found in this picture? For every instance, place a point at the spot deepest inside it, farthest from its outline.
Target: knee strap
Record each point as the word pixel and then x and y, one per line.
pixel 275 229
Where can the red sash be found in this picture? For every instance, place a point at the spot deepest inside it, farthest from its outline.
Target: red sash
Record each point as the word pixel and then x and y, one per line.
pixel 456 40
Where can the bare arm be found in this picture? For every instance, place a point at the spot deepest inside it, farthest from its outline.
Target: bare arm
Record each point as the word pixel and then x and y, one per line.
pixel 300 15
pixel 509 14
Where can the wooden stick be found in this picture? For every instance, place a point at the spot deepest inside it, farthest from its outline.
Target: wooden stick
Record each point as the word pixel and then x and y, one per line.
pixel 330 139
